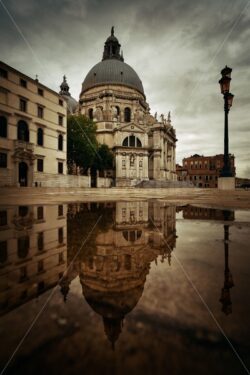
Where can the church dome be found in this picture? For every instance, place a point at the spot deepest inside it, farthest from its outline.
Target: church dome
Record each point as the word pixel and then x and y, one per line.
pixel 112 69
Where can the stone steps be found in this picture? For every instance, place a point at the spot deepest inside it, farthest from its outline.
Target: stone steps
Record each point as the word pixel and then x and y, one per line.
pixel 157 184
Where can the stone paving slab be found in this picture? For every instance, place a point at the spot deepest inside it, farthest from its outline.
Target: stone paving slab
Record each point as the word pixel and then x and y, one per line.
pixel 238 198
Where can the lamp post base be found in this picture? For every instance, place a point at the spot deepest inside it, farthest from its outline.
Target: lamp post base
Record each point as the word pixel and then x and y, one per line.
pixel 226 183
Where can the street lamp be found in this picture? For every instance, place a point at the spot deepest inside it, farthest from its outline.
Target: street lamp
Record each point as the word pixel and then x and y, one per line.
pixel 228 101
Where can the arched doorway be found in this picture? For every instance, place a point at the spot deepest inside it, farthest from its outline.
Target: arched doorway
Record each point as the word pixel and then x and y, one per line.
pixel 23 174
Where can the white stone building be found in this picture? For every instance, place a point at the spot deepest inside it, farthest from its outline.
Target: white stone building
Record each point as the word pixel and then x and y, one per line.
pixel 113 96
pixel 33 133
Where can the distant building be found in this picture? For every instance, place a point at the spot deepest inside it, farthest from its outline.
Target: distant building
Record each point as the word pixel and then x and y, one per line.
pixel 202 171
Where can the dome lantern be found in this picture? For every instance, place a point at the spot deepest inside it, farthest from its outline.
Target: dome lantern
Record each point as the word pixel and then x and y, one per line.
pixel 64 87
pixel 112 48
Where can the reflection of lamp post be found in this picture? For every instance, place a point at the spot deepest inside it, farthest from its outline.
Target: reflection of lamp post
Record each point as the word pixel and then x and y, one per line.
pixel 228 100
pixel 228 279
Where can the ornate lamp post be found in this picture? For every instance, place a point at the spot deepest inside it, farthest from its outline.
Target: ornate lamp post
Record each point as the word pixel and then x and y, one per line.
pixel 228 278
pixel 228 101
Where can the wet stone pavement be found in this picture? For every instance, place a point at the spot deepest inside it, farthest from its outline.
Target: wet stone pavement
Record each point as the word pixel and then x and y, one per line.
pixel 124 287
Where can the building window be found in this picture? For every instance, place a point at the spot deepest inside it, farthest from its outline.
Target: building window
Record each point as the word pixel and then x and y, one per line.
pixel 127 114
pixel 40 136
pixel 140 163
pixel 23 211
pixel 60 235
pixel 91 113
pixel 40 287
pixel 23 244
pixel 23 105
pixel 3 73
pixel 3 160
pixel 124 163
pixel 3 251
pixel 60 142
pixel 60 120
pixel 3 218
pixel 60 210
pixel 60 167
pixel 40 266
pixel 39 165
pixel 60 102
pixel 3 126
pixel 40 213
pixel 23 83
pixel 39 111
pixel 132 141
pixel 60 258
pixel 40 91
pixel 23 274
pixel 22 131
pixel 40 242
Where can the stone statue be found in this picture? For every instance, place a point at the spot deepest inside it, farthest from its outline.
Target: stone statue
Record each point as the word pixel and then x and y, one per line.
pixel 114 113
pixel 162 118
pixel 156 115
pixel 98 114
pixel 140 115
pixel 169 117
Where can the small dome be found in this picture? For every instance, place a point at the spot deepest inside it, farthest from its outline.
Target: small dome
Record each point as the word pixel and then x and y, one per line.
pixel 112 71
pixel 71 103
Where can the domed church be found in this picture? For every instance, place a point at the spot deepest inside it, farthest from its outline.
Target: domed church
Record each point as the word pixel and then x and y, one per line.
pixel 113 96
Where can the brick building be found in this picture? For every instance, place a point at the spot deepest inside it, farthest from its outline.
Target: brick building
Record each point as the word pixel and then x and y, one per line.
pixel 202 171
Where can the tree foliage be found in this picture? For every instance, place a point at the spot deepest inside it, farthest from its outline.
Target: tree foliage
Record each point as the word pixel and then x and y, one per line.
pixel 103 158
pixel 83 149
pixel 81 142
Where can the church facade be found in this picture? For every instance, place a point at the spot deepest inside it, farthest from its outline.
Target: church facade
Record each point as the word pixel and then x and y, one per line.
pixel 113 96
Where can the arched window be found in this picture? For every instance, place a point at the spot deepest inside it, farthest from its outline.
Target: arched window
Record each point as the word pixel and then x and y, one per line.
pixel 91 113
pixel 60 142
pixel 40 137
pixel 127 114
pixel 132 235
pixel 3 126
pixel 132 141
pixel 22 131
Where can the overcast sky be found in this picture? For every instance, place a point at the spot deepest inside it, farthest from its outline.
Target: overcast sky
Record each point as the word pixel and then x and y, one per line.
pixel 177 47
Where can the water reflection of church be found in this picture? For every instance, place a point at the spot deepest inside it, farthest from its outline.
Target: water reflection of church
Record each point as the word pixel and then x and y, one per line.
pixel 113 269
pixel 39 248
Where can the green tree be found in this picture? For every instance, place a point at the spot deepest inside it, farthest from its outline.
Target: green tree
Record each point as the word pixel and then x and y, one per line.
pixel 81 142
pixel 104 158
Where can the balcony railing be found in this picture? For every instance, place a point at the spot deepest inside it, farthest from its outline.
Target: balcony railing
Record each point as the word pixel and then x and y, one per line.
pixel 23 145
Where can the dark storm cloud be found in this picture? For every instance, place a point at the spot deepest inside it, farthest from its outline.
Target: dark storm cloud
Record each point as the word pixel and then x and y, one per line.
pixel 178 48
